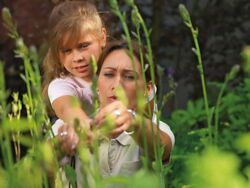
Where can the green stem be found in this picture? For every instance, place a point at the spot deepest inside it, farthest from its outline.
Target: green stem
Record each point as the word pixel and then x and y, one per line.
pixel 231 75
pixel 28 85
pixel 156 142
pixel 203 82
pixel 145 87
pixel 116 10
pixel 7 152
pixel 188 22
pixel 4 137
pixel 217 109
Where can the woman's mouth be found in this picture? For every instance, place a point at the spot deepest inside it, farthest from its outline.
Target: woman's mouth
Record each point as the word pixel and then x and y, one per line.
pixel 112 98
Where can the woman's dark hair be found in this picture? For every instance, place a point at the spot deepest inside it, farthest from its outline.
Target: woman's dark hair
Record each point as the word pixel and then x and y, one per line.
pixel 121 44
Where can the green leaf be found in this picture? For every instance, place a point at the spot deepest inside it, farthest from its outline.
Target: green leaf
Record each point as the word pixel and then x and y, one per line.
pixel 16 125
pixel 185 15
pixel 71 175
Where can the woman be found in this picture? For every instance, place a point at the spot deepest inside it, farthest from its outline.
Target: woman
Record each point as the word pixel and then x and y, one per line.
pixel 121 152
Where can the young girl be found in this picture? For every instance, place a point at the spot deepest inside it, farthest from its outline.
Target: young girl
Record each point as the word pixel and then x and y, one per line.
pixel 76 34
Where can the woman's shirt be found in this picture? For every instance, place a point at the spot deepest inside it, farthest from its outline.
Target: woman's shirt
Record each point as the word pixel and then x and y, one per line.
pixel 122 155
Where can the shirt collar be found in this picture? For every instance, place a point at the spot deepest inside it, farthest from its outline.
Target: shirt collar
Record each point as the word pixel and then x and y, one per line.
pixel 124 139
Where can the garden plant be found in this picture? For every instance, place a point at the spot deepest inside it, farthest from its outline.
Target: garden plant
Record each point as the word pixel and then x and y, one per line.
pixel 212 133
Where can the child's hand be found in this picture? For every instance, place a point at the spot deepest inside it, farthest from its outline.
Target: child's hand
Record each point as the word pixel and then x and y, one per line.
pixel 68 139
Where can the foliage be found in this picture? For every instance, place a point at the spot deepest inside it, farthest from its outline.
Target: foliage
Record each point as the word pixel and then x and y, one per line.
pixel 215 155
pixel 223 33
pixel 223 173
pixel 233 133
pixel 229 123
pixel 33 130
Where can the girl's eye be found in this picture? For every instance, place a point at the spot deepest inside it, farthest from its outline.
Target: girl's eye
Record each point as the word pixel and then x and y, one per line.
pixel 65 50
pixel 83 45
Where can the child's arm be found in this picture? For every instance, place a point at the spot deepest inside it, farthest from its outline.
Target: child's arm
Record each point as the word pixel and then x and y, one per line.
pixel 69 109
pixel 65 101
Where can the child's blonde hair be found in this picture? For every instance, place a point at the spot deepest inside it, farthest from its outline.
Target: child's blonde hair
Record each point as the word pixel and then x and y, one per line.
pixel 67 18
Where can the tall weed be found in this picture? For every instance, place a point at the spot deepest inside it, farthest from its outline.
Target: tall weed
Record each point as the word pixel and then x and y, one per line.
pixel 215 154
pixel 224 124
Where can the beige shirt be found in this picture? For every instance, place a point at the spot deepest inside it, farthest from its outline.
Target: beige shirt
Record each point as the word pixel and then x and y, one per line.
pixel 119 156
pixel 122 155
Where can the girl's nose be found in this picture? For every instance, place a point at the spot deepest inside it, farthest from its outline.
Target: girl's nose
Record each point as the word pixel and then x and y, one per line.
pixel 77 56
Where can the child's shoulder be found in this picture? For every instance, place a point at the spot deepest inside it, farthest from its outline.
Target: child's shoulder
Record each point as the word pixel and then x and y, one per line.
pixel 69 81
pixel 63 80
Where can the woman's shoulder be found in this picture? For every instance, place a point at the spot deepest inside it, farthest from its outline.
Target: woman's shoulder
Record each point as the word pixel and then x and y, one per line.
pixel 166 129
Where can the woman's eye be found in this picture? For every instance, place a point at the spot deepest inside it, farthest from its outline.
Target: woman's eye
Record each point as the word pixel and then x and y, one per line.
pixel 108 74
pixel 129 77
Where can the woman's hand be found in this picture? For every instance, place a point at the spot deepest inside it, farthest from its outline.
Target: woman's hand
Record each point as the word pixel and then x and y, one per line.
pixel 122 117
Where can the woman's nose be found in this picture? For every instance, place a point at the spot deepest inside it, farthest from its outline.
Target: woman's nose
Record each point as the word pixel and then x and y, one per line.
pixel 117 82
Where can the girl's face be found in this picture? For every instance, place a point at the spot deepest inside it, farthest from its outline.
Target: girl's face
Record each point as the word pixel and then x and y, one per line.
pixel 117 70
pixel 76 58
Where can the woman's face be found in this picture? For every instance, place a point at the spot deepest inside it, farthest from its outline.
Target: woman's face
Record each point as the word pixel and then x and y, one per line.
pixel 76 57
pixel 117 71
